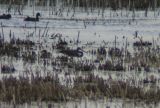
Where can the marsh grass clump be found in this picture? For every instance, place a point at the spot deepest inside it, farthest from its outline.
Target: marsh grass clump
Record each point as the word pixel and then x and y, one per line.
pixel 23 90
pixel 96 87
pixel 29 56
pixel 84 67
pixel 48 88
pixel 9 50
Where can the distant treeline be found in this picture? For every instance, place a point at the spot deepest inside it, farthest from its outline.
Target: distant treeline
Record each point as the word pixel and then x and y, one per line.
pixel 117 4
pixel 113 4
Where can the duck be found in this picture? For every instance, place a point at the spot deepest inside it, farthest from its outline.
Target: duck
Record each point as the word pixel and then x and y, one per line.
pixel 5 16
pixel 73 52
pixel 33 19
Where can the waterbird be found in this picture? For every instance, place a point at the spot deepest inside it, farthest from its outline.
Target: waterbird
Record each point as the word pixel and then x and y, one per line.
pixel 5 16
pixel 33 19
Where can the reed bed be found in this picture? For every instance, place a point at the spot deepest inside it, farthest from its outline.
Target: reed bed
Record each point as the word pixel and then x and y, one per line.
pixel 40 86
pixel 38 89
pixel 43 89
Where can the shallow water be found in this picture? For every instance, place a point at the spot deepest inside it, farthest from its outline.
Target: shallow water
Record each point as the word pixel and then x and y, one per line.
pixel 101 30
pixel 85 104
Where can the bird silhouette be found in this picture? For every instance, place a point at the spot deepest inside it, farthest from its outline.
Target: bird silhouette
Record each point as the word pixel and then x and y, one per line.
pixel 33 19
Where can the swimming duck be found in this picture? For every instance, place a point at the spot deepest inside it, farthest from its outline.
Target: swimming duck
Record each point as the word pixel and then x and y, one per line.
pixel 5 16
pixel 33 19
